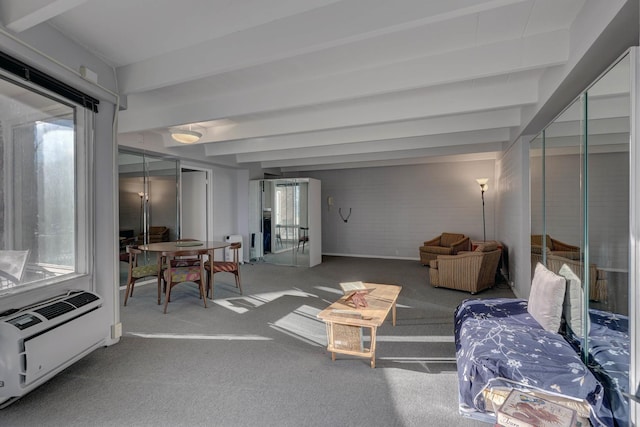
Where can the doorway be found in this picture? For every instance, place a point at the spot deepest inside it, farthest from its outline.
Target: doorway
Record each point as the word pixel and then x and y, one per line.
pixel 195 204
pixel 148 198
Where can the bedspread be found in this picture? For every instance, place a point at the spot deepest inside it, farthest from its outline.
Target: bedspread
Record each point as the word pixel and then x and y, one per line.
pixel 609 358
pixel 500 345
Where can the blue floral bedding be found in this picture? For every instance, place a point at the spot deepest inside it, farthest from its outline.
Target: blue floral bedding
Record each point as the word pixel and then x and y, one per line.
pixel 499 344
pixel 609 359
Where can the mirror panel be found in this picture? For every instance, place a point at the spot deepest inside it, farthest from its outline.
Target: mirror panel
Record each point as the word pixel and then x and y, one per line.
pixel 148 196
pixel 580 211
pixel 607 209
pixel 282 223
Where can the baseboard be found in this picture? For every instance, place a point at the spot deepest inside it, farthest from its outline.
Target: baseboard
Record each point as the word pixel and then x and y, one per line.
pixel 373 256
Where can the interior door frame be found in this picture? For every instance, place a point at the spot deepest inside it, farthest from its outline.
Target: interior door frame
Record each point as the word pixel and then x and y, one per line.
pixel 208 196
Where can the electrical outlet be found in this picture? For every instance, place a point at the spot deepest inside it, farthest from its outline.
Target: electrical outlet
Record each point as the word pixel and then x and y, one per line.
pixel 511 283
pixel 116 331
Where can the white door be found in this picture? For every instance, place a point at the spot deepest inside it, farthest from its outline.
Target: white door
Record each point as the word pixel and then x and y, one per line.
pixel 194 205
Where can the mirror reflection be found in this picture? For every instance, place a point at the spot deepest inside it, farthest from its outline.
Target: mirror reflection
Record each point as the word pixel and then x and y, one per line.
pixel 148 202
pixel 280 221
pixel 580 222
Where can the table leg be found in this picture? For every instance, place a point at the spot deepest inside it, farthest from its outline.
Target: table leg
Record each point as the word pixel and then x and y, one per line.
pixel 373 346
pixel 159 278
pixel 393 314
pixel 330 340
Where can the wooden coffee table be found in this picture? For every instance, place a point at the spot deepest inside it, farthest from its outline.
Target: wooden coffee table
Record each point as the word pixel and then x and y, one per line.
pixel 345 322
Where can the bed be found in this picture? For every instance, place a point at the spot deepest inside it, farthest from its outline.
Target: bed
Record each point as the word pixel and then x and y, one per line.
pixel 500 346
pixel 609 358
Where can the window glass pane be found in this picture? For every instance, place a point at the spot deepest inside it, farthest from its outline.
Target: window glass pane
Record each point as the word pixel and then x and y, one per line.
pixel 39 228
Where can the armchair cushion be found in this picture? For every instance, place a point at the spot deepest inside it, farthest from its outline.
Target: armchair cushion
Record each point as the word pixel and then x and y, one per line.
pixel 157 233
pixel 450 239
pixel 556 246
pixel 487 247
pixel 445 244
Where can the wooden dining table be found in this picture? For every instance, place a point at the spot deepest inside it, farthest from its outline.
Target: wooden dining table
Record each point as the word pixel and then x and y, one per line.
pixel 176 249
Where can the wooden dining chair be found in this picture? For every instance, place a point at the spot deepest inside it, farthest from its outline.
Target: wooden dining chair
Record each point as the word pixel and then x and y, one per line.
pixel 178 271
pixel 212 267
pixel 304 237
pixel 137 271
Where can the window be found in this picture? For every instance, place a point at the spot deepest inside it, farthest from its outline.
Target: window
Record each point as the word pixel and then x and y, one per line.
pixel 43 188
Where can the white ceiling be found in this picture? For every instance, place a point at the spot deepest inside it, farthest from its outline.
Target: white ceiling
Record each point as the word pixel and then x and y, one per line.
pixel 299 85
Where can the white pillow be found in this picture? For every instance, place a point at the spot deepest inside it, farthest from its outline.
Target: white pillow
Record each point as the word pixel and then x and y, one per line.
pixel 573 306
pixel 546 298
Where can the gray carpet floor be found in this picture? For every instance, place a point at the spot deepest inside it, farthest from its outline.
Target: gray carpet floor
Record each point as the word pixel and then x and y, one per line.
pixel 260 359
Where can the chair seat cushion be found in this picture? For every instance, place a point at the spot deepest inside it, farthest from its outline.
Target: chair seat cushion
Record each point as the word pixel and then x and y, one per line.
pixel 144 271
pixel 221 266
pixel 182 274
pixel 439 250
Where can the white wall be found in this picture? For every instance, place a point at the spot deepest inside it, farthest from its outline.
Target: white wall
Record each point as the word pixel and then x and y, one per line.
pixel 395 209
pixel 105 274
pixel 512 214
pixel 231 205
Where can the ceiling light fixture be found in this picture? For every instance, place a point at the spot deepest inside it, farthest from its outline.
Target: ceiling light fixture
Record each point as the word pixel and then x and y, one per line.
pixel 185 136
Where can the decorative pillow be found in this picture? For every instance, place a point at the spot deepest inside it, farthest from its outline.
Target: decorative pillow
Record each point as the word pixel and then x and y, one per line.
pixel 487 247
pixel 573 306
pixel 546 298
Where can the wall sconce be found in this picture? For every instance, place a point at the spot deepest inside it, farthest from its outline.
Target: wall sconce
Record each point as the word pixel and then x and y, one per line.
pixel 329 203
pixel 483 187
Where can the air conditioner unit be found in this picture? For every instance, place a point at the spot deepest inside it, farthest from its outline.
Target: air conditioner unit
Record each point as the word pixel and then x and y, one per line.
pixel 39 341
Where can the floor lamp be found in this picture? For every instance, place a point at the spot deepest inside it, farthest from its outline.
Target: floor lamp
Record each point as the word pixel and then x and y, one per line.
pixel 483 187
pixel 141 194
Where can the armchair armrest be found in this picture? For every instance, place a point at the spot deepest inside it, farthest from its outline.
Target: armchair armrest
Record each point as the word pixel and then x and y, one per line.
pixel 461 245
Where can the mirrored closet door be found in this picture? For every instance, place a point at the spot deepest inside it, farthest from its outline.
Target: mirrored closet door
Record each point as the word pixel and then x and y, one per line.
pixel 580 216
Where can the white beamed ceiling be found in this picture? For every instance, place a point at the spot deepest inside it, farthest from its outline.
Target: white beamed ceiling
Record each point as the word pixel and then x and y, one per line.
pixel 301 85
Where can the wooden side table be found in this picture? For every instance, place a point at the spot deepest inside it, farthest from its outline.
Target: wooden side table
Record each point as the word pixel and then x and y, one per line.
pixel 345 322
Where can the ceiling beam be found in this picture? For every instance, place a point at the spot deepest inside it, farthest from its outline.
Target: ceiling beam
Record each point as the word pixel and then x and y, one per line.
pixel 426 155
pixel 379 131
pixel 20 15
pixel 383 146
pixel 184 103
pixel 315 30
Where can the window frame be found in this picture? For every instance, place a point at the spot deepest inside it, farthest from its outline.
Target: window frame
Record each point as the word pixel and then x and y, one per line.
pixel 84 227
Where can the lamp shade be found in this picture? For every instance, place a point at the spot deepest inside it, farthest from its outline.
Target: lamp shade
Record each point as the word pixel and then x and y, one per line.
pixel 185 136
pixel 483 183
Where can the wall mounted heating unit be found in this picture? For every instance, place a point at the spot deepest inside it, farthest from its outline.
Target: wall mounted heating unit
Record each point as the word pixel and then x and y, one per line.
pixel 39 341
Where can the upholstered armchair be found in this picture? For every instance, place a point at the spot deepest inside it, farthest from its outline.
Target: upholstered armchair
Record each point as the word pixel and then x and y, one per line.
pixel 467 271
pixel 556 247
pixel 445 244
pixel 597 277
pixel 156 234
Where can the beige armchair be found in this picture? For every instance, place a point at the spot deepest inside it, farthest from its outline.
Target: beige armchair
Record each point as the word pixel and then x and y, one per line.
pixel 597 277
pixel 157 233
pixel 467 271
pixel 556 247
pixel 445 244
